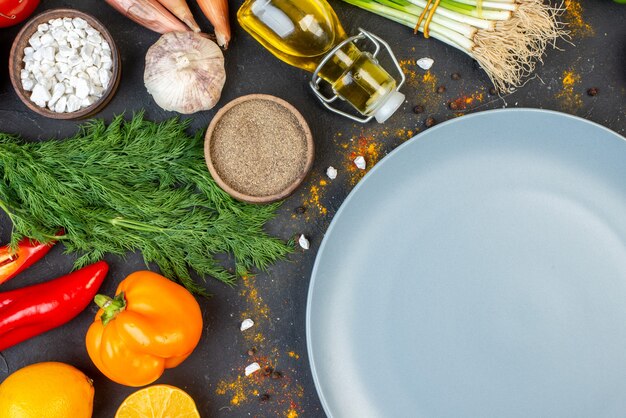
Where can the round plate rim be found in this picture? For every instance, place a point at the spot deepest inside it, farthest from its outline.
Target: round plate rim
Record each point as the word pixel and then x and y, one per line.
pixel 430 132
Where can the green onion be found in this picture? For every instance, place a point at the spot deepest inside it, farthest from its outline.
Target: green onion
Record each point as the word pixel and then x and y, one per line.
pixel 506 37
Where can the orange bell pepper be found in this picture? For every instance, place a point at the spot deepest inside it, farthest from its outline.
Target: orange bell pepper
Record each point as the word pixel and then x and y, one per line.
pixel 151 325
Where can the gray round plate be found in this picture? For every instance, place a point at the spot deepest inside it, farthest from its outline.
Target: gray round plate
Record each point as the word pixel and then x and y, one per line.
pixel 478 271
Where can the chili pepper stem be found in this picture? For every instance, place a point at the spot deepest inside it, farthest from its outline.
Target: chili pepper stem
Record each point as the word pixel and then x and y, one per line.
pixel 111 306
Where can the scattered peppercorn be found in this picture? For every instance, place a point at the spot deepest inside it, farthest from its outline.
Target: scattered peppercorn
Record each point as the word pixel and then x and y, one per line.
pixel 418 109
pixel 430 122
pixel 453 105
pixel 592 91
pixel 300 210
pixel 456 76
pixel 265 397
pixel 267 371
pixel 493 91
pixel 252 351
pixel 277 375
pixel 441 89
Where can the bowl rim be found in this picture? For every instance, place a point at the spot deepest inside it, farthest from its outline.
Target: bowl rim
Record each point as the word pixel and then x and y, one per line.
pixel 16 64
pixel 259 199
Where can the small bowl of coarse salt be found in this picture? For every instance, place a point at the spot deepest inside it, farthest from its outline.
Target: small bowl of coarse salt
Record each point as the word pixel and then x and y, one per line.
pixel 64 64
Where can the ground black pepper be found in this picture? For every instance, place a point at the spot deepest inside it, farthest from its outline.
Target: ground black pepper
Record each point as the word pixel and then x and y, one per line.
pixel 267 371
pixel 277 375
pixel 252 351
pixel 418 109
pixel 258 148
pixel 455 76
pixel 300 210
pixel 265 397
pixel 441 89
pixel 453 105
pixel 592 91
pixel 493 91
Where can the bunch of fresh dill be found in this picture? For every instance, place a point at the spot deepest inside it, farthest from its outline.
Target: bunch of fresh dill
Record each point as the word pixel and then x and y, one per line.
pixel 133 185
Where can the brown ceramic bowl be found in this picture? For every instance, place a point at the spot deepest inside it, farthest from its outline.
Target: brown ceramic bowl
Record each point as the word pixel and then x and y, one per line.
pixel 17 54
pixel 310 152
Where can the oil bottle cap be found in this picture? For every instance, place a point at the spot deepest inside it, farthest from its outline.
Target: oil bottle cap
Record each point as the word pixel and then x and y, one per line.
pixel 392 102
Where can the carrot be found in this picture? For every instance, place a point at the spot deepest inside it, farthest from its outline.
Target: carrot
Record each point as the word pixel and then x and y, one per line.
pixel 180 9
pixel 217 13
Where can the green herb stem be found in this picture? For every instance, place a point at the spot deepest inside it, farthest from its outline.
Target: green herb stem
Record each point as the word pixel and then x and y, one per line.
pixel 129 186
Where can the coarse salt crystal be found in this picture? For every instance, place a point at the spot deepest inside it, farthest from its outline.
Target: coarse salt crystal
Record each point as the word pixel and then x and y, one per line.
pixel 28 84
pixel 82 88
pixel 59 106
pixel 46 39
pixel 247 324
pixel 73 103
pixel 304 242
pixel 251 368
pixel 360 162
pixel 80 23
pixel 331 172
pixel 425 63
pixel 35 41
pixel 40 95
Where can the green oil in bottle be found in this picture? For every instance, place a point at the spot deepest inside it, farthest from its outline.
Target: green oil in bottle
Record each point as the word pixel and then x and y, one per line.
pixel 303 32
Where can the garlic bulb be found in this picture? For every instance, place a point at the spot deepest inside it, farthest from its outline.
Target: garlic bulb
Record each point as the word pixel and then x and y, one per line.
pixel 185 72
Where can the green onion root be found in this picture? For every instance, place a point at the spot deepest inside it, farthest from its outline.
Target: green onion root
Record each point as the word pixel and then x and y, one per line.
pixel 506 37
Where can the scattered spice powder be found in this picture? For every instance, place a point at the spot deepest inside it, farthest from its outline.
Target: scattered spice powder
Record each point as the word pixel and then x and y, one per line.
pixel 259 148
pixel 423 85
pixel 404 134
pixel 258 309
pixel 569 97
pixel 237 388
pixel 366 147
pixel 293 354
pixel 576 24
pixel 314 199
pixel 465 102
pixel 269 382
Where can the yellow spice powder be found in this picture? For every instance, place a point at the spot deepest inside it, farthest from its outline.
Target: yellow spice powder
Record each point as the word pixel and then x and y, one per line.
pixel 575 21
pixel 569 98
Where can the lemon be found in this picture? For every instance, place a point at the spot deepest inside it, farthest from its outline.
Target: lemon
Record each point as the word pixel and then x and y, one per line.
pixel 158 401
pixel 46 390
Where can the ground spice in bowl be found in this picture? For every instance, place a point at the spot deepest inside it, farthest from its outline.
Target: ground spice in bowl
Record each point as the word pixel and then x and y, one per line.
pixel 259 148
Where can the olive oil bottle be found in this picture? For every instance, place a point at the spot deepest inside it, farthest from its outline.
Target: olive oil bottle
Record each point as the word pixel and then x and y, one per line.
pixel 303 32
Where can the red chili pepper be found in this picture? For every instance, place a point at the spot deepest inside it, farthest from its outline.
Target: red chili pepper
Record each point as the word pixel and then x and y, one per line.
pixel 13 262
pixel 33 310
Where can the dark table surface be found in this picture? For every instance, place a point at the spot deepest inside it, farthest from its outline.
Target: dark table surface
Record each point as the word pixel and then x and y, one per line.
pixel 276 300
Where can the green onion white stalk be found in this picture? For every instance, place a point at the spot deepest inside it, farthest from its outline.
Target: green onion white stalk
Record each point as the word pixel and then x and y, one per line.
pixel 506 37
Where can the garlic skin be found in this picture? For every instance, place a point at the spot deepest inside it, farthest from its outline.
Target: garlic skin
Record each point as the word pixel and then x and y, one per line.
pixel 185 72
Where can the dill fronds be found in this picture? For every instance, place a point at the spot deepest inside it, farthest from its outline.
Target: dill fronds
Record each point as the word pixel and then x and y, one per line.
pixel 133 185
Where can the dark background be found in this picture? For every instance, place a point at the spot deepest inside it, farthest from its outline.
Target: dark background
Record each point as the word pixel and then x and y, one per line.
pixel 276 300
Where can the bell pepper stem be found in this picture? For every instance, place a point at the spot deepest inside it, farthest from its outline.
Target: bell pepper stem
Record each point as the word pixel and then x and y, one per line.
pixel 111 306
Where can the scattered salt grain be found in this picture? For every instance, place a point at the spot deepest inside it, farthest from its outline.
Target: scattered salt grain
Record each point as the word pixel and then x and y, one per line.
pixel 304 243
pixel 360 162
pixel 425 63
pixel 331 172
pixel 252 368
pixel 247 324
